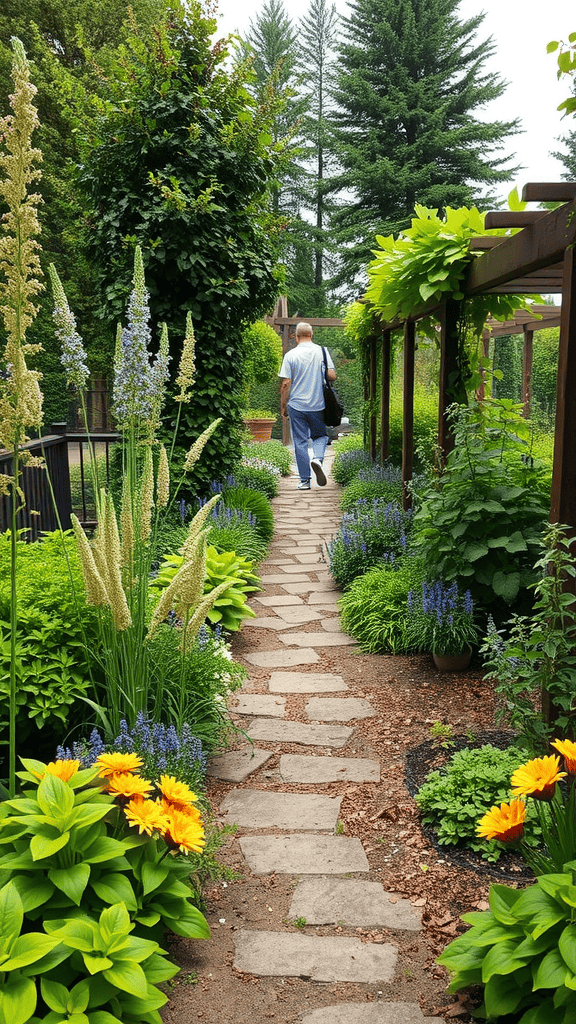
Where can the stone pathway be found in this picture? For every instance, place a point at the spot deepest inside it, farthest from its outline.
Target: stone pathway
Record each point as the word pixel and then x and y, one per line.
pixel 298 591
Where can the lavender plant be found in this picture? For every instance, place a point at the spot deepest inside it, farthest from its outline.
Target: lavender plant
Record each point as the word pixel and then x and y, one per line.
pixel 374 533
pixel 20 273
pixel 441 619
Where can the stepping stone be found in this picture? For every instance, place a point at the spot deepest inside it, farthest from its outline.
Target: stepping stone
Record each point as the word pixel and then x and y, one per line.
pixel 303 855
pixel 317 639
pixel 302 549
pixel 273 561
pixel 305 769
pixel 332 597
pixel 281 577
pixel 259 704
pixel 316 586
pixel 268 622
pixel 273 731
pixel 306 812
pixel 305 682
pixel 331 625
pixel 294 569
pixel 310 558
pixel 283 659
pixel 281 954
pixel 237 765
pixel 338 709
pixel 296 616
pixel 370 1013
pixel 281 601
pixel 352 902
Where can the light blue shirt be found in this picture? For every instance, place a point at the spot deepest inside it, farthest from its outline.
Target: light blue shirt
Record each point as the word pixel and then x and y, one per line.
pixel 304 366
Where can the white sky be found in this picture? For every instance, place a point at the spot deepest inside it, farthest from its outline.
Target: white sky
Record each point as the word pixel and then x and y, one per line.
pixel 520 29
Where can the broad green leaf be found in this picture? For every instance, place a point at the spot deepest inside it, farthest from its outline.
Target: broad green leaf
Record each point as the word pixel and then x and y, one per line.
pixel 550 972
pixel 72 881
pixel 115 921
pixel 48 962
pixel 567 947
pixel 17 1000
pixel 40 847
pixel 499 960
pixel 193 925
pixel 516 543
pixel 11 916
pixel 79 997
pixel 137 950
pixel 153 875
pixel 33 891
pixel 76 934
pixel 105 848
pixel 115 888
pixel 95 963
pixel 55 798
pixel 103 1017
pixel 502 995
pixel 506 585
pixel 543 1014
pixel 128 978
pixel 159 968
pixel 137 1007
pixel 54 994
pixel 502 898
pixel 27 949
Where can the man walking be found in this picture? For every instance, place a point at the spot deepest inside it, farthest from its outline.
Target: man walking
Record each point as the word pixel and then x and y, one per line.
pixel 302 399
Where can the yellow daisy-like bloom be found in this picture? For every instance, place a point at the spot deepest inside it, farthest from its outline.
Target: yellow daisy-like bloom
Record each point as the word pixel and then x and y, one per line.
pixel 147 815
pixel 537 778
pixel 62 769
pixel 188 809
pixel 505 823
pixel 128 786
pixel 176 793
pixel 568 750
pixel 117 764
pixel 183 833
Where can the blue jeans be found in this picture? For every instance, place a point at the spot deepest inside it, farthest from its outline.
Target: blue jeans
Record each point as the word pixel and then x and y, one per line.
pixel 304 426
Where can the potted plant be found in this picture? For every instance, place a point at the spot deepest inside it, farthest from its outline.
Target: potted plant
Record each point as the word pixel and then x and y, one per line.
pixel 441 620
pixel 262 357
pixel 260 423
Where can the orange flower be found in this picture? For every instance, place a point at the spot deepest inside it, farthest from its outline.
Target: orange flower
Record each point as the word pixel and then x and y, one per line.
pixel 177 793
pixel 63 769
pixel 147 815
pixel 537 778
pixel 568 750
pixel 183 833
pixel 127 785
pixel 117 764
pixel 505 823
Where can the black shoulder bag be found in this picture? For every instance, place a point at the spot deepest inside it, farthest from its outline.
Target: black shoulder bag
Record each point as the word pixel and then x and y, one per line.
pixel 333 407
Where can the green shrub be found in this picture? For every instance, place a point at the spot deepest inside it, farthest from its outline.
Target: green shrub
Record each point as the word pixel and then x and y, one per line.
pixel 254 502
pixel 378 488
pixel 233 529
pixel 454 799
pixel 255 474
pixel 371 534
pixel 425 423
pixel 373 610
pixel 348 443
pixel 521 951
pixel 348 463
pixel 271 451
pixel 230 608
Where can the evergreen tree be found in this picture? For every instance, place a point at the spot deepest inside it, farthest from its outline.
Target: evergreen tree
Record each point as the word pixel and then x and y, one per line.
pixel 317 39
pixel 411 80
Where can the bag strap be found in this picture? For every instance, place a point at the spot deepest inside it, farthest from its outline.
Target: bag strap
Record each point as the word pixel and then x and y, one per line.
pixel 325 360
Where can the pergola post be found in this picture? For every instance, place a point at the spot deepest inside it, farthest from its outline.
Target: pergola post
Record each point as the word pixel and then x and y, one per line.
pixel 408 412
pixel 385 395
pixel 563 497
pixel 527 350
pixel 481 392
pixel 372 398
pixel 449 372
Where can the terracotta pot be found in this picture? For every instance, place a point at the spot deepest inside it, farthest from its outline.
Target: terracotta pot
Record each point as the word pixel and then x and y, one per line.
pixel 452 662
pixel 261 430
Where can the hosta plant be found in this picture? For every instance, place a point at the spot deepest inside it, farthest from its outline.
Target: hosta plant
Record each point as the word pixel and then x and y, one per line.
pixel 228 573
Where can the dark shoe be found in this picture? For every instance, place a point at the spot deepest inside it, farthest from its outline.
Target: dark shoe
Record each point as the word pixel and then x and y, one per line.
pixel 319 473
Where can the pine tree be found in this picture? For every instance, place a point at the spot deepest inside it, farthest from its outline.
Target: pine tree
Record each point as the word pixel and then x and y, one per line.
pixel 411 80
pixel 317 37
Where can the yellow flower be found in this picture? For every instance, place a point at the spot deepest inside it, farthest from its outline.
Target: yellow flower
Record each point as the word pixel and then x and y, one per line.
pixel 568 750
pixel 505 823
pixel 147 815
pixel 116 764
pixel 62 769
pixel 537 778
pixel 128 786
pixel 183 833
pixel 176 793
pixel 188 809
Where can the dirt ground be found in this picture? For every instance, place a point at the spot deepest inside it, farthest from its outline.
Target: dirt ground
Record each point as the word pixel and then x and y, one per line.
pixel 409 695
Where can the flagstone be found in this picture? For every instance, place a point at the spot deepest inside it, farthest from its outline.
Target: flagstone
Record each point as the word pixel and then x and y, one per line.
pixel 281 600
pixel 321 598
pixel 304 855
pixel 283 659
pixel 283 578
pixel 370 1013
pixel 317 639
pixel 274 731
pixel 306 682
pixel 259 704
pixel 338 709
pixel 304 768
pixel 320 958
pixel 331 625
pixel 296 616
pixel 352 902
pixel 304 812
pixel 314 586
pixel 309 558
pixel 237 765
pixel 267 622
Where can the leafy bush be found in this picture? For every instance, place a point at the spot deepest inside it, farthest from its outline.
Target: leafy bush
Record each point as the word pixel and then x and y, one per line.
pixel 453 799
pixel 441 620
pixel 271 451
pixel 234 529
pixel 104 897
pixel 370 534
pixel 348 443
pixel 262 355
pixel 230 608
pixel 425 424
pixel 257 475
pixel 482 521
pixel 238 497
pixel 521 951
pixel 348 462
pixel 373 610
pixel 383 485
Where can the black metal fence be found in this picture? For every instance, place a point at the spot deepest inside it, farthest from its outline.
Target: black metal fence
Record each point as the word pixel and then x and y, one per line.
pixel 49 497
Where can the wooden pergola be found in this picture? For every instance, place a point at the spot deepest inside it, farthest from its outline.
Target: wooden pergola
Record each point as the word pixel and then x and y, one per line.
pixel 538 259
